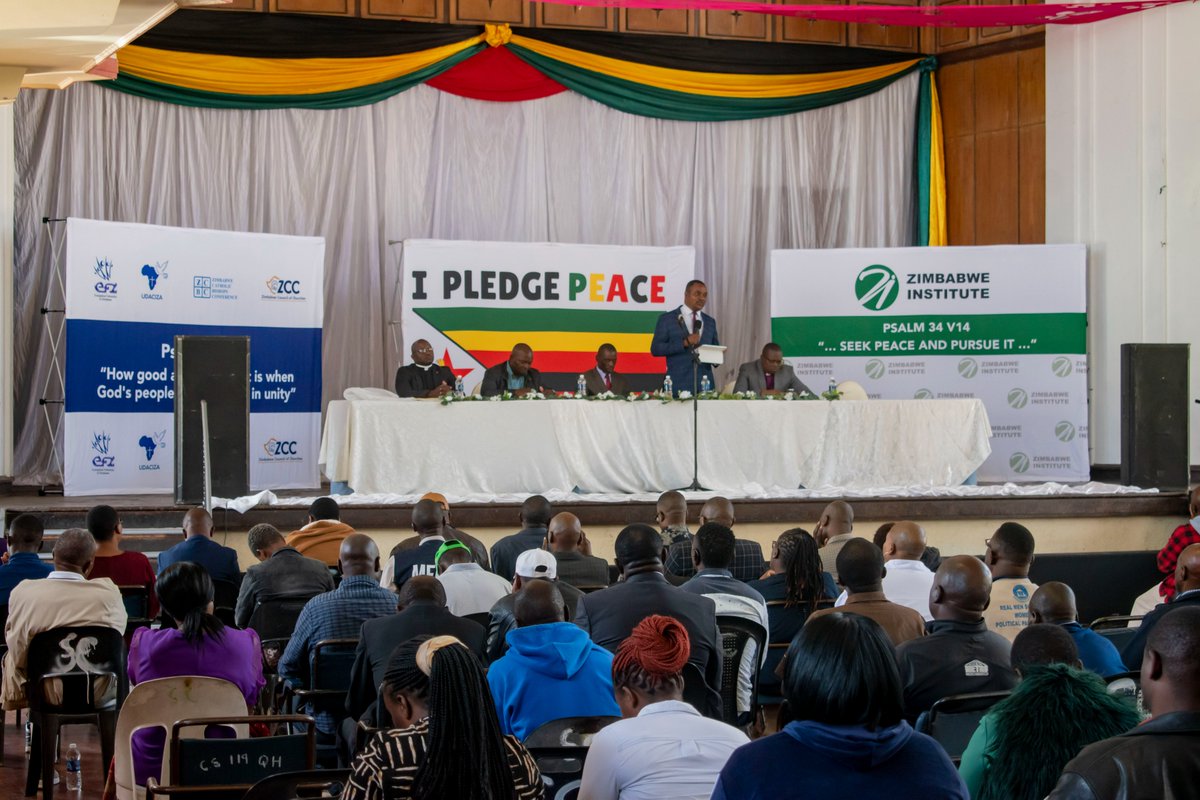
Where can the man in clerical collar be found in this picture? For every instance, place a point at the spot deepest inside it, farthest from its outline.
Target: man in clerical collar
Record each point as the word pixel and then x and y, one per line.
pixel 605 378
pixel 423 378
pixel 516 375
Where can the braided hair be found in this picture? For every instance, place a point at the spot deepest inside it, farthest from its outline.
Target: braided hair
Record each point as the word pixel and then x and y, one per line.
pixel 652 658
pixel 184 591
pixel 802 567
pixel 465 753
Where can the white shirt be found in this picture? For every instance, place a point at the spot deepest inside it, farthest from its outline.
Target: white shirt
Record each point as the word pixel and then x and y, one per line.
pixel 64 575
pixel 907 583
pixel 667 752
pixel 470 589
pixel 687 319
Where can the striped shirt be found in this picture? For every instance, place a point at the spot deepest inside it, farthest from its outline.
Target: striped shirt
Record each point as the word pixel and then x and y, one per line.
pixel 394 757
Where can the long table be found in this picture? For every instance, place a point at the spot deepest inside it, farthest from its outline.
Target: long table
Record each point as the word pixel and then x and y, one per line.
pixel 614 447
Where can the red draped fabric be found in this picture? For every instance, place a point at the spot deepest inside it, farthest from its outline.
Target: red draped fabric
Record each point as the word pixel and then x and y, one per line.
pixel 496 74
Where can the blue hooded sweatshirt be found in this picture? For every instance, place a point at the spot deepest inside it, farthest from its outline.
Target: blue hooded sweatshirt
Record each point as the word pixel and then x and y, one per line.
pixel 809 759
pixel 549 672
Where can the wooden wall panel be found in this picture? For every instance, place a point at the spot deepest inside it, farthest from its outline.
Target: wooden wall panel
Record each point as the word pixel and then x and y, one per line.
pixel 514 12
pixel 342 8
pixel 414 10
pixel 960 190
pixel 798 29
pixel 735 25
pixel 1031 157
pixel 656 20
pixel 552 15
pixel 996 187
pixel 240 5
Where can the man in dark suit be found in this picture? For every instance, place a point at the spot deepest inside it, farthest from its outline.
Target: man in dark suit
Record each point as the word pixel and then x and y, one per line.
pixel 572 552
pixel 423 378
pixel 281 574
pixel 515 375
pixel 605 378
pixel 748 562
pixel 611 614
pixel 680 331
pixel 769 375
pixel 536 512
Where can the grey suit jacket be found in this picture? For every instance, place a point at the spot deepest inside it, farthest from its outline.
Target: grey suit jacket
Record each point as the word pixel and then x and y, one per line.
pixel 596 386
pixel 285 575
pixel 751 379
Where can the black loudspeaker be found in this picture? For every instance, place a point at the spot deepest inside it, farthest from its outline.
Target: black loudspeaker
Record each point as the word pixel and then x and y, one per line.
pixel 1154 415
pixel 214 369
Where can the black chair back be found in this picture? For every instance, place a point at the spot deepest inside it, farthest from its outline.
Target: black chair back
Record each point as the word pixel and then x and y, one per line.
pixel 736 635
pixel 304 785
pixel 699 694
pixel 567 732
pixel 225 595
pixel 952 720
pixel 76 670
pixel 561 769
pixel 276 619
pixel 331 665
pixel 1120 637
pixel 137 607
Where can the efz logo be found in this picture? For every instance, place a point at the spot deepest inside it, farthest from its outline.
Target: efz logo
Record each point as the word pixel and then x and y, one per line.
pixel 968 368
pixel 1061 366
pixel 1064 431
pixel 283 288
pixel 152 442
pixel 281 450
pixel 102 461
pixel 876 369
pixel 105 288
pixel 922 394
pixel 1018 398
pixel 1018 463
pixel 876 287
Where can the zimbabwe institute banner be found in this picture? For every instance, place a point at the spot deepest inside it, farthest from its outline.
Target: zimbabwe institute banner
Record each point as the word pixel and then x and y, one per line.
pixel 1005 324
pixel 474 300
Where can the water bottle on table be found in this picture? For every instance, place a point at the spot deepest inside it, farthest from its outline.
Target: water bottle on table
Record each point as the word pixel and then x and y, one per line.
pixel 668 387
pixel 74 771
pixel 581 386
pixel 705 385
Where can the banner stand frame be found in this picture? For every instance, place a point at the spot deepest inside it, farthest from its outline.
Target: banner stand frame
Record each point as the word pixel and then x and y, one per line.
pixel 54 326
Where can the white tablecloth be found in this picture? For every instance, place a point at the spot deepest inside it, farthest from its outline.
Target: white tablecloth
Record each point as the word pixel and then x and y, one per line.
pixel 470 448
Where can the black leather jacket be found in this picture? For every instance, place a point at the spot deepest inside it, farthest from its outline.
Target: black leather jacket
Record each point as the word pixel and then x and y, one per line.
pixel 1160 759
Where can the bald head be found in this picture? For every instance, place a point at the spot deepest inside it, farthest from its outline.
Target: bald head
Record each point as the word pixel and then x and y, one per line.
pixel 197 522
pixel 905 541
pixel 75 551
pixel 962 589
pixel 565 532
pixel 1187 569
pixel 422 589
pixel 672 510
pixel 1054 603
pixel 538 603
pixel 836 520
pixel 427 518
pixel 860 566
pixel 718 510
pixel 359 555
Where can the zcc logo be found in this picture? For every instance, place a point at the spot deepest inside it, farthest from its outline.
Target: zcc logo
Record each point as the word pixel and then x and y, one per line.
pixel 876 287
pixel 1018 398
pixel 1019 463
pixel 876 369
pixel 281 286
pixel 968 368
pixel 1064 431
pixel 1061 366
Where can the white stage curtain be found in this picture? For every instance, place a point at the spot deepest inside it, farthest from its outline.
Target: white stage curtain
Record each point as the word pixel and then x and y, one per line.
pixel 433 165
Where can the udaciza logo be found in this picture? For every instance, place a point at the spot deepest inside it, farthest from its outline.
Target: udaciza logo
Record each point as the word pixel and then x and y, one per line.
pixel 281 449
pixel 968 368
pixel 283 289
pixel 1018 398
pixel 152 443
pixel 105 287
pixel 1019 463
pixel 154 274
pixel 876 287
pixel 102 461
pixel 1061 366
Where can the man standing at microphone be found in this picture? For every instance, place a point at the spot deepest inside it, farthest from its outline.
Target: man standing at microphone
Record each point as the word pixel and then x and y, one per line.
pixel 682 330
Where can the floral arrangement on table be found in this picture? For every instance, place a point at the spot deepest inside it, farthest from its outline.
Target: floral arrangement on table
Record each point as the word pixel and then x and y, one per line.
pixel 637 397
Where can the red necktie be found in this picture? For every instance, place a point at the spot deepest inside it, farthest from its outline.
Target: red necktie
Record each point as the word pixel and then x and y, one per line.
pixel 770 380
pixel 607 381
pixel 695 322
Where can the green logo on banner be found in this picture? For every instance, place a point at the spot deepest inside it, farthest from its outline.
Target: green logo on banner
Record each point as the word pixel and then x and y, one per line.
pixel 876 369
pixel 1018 398
pixel 1061 366
pixel 968 368
pixel 1064 431
pixel 1019 463
pixel 922 394
pixel 876 287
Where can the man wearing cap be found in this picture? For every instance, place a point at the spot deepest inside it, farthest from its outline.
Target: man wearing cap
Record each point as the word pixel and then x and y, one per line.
pixel 470 589
pixel 448 532
pixel 532 565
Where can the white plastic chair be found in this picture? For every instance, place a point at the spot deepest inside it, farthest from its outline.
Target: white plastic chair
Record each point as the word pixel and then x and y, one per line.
pixel 852 390
pixel 728 388
pixel 161 703
pixel 369 393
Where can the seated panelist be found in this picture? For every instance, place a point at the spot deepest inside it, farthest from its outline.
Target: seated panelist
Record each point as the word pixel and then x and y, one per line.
pixel 769 375
pixel 423 377
pixel 516 375
pixel 605 378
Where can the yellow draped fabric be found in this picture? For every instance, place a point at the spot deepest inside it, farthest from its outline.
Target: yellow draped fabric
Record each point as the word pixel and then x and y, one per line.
pixel 938 235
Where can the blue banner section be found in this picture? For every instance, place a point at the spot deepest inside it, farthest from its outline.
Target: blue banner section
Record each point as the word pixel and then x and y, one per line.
pixel 129 367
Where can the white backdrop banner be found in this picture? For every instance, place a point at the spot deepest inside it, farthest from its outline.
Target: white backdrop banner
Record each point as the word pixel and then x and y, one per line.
pixel 474 300
pixel 1005 324
pixel 130 290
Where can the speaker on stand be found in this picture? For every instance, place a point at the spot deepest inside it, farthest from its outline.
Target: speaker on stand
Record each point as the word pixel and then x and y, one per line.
pixel 1155 415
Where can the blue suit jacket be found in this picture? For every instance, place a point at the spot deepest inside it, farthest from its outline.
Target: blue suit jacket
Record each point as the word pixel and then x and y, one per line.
pixel 669 334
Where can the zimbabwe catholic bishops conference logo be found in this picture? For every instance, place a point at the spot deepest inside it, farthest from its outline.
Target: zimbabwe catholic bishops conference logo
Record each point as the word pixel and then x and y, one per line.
pixel 876 287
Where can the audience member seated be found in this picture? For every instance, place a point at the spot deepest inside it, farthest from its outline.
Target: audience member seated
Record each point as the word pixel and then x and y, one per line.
pixel 24 542
pixel 1009 556
pixel 551 669
pixel 796 580
pixel 446 740
pixel 200 645
pixel 960 655
pixel 63 599
pixel 470 589
pixel 124 568
pixel 198 546
pixel 1181 538
pixel 609 615
pixel 420 611
pixel 663 749
pixel 1161 757
pixel 671 517
pixel 322 535
pixel 931 558
pixel 860 564
pixel 573 552
pixel 906 579
pixel 712 554
pixel 535 520
pixel 1054 604
pixel 1187 593
pixel 1024 741
pixel 532 565
pixel 748 559
pixel 337 615
pixel 834 529
pixel 427 521
pixel 478 549
pixel 848 737
pixel 281 574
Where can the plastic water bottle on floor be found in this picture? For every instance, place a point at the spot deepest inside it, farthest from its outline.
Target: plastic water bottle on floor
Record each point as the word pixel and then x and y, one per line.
pixel 668 386
pixel 581 386
pixel 705 385
pixel 74 771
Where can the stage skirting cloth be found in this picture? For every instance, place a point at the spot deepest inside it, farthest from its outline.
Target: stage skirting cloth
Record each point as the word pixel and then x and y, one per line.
pixel 468 448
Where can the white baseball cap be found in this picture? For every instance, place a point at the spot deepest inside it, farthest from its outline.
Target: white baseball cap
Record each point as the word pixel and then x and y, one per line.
pixel 537 564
